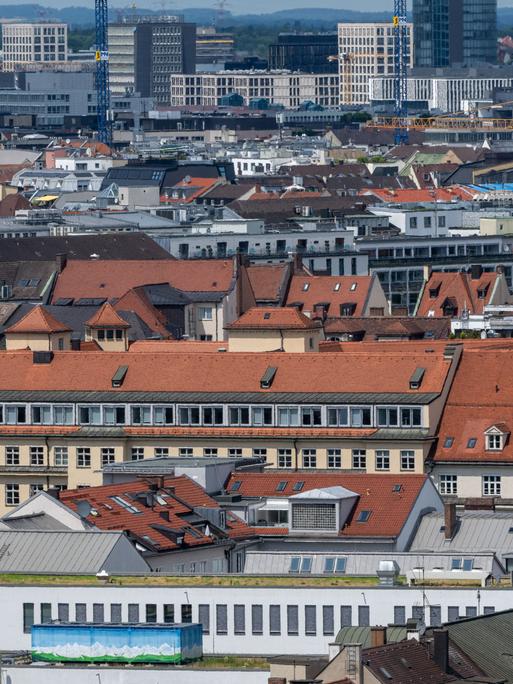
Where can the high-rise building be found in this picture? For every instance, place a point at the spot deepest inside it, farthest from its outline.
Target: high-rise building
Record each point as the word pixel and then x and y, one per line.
pixel 213 49
pixel 455 32
pixel 365 51
pixel 144 53
pixel 33 44
pixel 306 52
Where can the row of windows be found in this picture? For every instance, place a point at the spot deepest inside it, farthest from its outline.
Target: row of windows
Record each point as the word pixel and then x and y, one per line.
pixel 491 485
pixel 168 414
pixel 358 459
pixel 288 619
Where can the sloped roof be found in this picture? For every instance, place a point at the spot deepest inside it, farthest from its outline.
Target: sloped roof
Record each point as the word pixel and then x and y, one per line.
pixel 374 327
pixel 404 662
pixel 273 318
pixel 336 492
pixel 415 196
pixel 459 287
pixel 38 320
pixel 137 300
pixel 65 552
pixel 106 317
pixel 389 509
pixel 176 496
pixel 267 282
pixel 331 291
pixel 12 203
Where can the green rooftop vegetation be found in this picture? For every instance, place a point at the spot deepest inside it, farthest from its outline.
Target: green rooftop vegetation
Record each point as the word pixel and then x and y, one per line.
pixel 229 662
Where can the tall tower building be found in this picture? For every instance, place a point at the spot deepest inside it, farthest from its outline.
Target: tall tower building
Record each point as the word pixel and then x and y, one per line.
pixel 450 32
pixel 365 51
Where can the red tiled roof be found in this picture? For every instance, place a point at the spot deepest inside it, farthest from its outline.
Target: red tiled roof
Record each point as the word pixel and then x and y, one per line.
pixel 330 290
pixel 405 662
pixel 182 346
pixel 481 396
pixel 178 496
pixel 389 509
pixel 137 301
pixel 12 203
pixel 38 320
pixel 382 370
pixel 106 317
pixel 267 281
pixel 197 187
pixel 273 318
pixel 459 287
pixel 419 196
pixel 109 279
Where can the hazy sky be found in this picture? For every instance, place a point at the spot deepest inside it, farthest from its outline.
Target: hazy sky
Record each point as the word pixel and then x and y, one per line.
pixel 241 6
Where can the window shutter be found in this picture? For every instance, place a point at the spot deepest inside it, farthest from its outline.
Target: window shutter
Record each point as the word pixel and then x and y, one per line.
pixel 80 612
pixel 257 619
pixel 471 611
pixel 399 615
pixel 417 612
pixel 363 616
pixel 239 619
pixel 133 612
pixel 292 620
pixel 98 613
pixel 310 620
pixel 435 616
pixel 63 612
pixel 274 620
pixel 221 618
pixel 204 617
pixel 453 613
pixel 346 616
pixel 115 613
pixel 328 621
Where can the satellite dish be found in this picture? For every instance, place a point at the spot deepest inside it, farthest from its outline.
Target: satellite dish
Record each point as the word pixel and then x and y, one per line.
pixel 83 509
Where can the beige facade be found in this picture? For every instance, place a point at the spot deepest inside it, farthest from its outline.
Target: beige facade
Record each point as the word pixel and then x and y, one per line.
pixel 496 226
pixel 33 44
pixel 365 51
pixel 57 341
pixel 273 340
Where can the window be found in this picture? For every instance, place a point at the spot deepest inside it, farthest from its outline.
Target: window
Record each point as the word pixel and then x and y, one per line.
pixel 300 564
pixel 12 455
pixel 141 415
pixel 491 485
pixel 83 457
pixel 292 620
pixel 115 613
pixel 98 613
pixel 137 453
pixel 284 458
pixel 311 416
pixel 36 455
pixel 114 415
pixel 133 612
pixel 35 488
pixel 410 417
pixel 328 620
pixel 151 612
pixel 203 616
pixel 388 416
pixel 448 484
pixel 309 458
pixel 260 453
pixel 161 452
pixel 360 416
pixel 471 443
pixel 42 415
pixel 334 458
pixel 449 441
pixel 338 416
pixel 63 612
pixel 257 619
pixel 221 619
pixel 186 613
pixel 60 456
pixel 205 313
pixel 63 415
pixel 239 415
pixel 46 612
pixel 189 415
pixel 335 565
pixel 12 494
pixel 235 452
pixel 363 516
pixel 210 452
pixel 125 504
pixel 494 442
pixel 274 619
pixel 382 459
pixel 212 415
pixel 261 415
pixel 310 620
pixel 163 415
pixel 107 455
pixel 14 414
pixel 90 415
pixel 288 417
pixel 239 619
pixel 407 460
pixel 28 617
pixel 185 452
pixel 359 459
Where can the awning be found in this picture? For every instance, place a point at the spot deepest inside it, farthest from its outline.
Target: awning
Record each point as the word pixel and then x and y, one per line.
pixel 275 506
pixel 45 198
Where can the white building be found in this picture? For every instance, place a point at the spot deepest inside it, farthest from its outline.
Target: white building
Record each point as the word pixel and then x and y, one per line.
pixel 122 58
pixel 365 51
pixel 33 43
pixel 434 219
pixel 279 87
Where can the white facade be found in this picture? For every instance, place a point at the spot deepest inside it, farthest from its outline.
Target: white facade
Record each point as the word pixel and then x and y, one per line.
pixel 443 95
pixel 121 58
pixel 83 163
pixel 425 221
pixel 365 51
pixel 33 44
pixel 279 87
pixel 264 629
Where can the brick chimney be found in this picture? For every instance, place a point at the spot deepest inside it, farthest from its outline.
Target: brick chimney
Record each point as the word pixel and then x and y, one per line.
pixel 378 636
pixel 60 261
pixel 450 520
pixel 441 649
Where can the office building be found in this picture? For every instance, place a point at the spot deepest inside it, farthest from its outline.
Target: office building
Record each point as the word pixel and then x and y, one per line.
pixel 278 87
pixel 33 43
pixel 365 51
pixel 144 54
pixel 449 32
pixel 213 49
pixel 307 52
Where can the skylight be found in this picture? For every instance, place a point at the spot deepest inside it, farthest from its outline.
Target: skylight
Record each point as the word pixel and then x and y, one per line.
pixel 363 516
pixel 236 486
pixel 449 441
pixel 125 504
pixel 281 485
pixel 353 287
pixel 298 486
pixel 306 287
pixel 471 443
pixel 337 287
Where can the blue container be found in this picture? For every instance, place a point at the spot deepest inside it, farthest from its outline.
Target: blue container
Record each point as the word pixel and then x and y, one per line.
pixel 106 643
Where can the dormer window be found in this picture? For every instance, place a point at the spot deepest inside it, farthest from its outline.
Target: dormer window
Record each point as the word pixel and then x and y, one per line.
pixel 494 442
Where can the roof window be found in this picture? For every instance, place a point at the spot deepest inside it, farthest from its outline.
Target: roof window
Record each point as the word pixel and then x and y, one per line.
pixel 235 486
pixel 336 287
pixel 363 516
pixel 471 443
pixel 449 441
pixel 306 287
pixel 298 486
pixel 281 485
pixel 416 378
pixel 267 315
pixel 353 287
pixel 267 378
pixel 125 504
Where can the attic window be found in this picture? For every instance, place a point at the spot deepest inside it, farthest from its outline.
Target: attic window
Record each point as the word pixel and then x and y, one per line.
pixel 385 673
pixel 281 485
pixel 347 309
pixel 267 378
pixel 119 376
pixel 336 287
pixel 494 442
pixel 125 504
pixel 306 286
pixel 298 486
pixel 363 516
pixel 416 378
pixel 471 443
pixel 236 486
pixel 397 488
pixel 449 441
pixel 267 315
pixel 353 287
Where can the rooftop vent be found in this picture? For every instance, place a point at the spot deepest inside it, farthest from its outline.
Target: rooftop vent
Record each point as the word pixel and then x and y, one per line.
pixel 267 378
pixel 416 378
pixel 449 351
pixel 119 376
pixel 41 357
pixel 387 572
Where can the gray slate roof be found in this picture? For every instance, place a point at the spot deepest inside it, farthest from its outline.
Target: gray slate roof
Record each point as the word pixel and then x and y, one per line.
pixel 67 552
pixel 477 531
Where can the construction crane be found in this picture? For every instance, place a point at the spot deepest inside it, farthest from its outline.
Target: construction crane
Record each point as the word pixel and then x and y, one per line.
pixel 102 72
pixel 401 63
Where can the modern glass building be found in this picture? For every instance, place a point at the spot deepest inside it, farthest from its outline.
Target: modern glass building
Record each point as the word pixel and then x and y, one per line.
pixel 450 32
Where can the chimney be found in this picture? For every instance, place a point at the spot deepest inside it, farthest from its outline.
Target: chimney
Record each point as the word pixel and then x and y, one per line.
pixel 450 520
pixel 441 649
pixel 61 260
pixel 378 636
pixel 75 344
